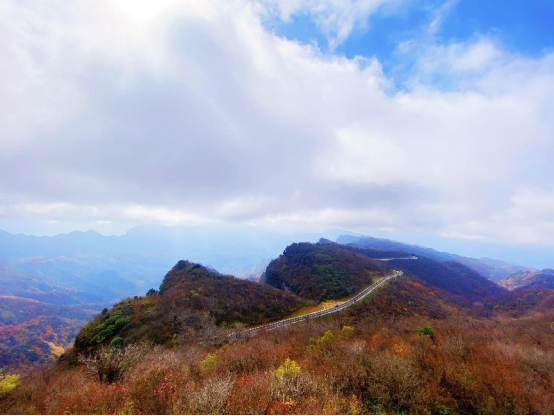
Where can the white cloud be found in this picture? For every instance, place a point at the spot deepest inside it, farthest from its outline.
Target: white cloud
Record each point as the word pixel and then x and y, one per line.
pixel 335 18
pixel 161 215
pixel 185 112
pixel 468 57
pixel 439 15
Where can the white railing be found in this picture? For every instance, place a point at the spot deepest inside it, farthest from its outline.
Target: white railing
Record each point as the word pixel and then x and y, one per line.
pixel 338 307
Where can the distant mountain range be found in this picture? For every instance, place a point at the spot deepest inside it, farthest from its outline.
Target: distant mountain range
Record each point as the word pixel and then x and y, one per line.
pixel 495 270
pixel 508 275
pixel 87 268
pixel 105 268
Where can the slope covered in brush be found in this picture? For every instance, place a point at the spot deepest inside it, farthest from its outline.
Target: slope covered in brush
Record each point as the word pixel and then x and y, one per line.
pixel 322 271
pixel 194 302
pixel 36 332
pixel 543 279
pixel 225 297
pixel 457 281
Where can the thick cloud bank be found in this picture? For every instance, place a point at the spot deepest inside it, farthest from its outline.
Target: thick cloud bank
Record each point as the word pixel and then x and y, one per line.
pixel 191 111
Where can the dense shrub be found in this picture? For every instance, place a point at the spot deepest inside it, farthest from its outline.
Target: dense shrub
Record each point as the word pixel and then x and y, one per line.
pixel 8 382
pixel 109 364
pixel 425 330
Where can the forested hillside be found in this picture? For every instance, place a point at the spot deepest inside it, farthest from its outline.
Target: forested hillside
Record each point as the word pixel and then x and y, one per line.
pixel 455 279
pixel 530 279
pixel 322 271
pixel 491 268
pixel 193 302
pixel 33 332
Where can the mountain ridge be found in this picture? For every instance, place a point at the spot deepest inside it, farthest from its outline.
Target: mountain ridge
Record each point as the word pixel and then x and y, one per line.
pixel 493 269
pixel 527 279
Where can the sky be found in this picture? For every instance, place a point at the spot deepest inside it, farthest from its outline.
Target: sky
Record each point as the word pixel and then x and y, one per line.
pixel 430 119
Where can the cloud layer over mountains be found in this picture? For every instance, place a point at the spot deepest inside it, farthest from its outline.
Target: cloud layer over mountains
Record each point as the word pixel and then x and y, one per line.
pixel 192 111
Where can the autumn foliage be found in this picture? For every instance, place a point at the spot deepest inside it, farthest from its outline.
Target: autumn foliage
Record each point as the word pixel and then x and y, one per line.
pixel 347 364
pixel 413 346
pixel 194 304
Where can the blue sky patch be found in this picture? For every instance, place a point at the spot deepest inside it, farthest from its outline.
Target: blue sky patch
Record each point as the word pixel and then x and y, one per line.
pixel 523 28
